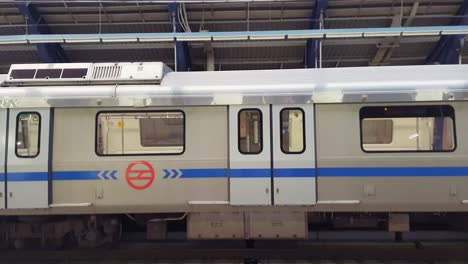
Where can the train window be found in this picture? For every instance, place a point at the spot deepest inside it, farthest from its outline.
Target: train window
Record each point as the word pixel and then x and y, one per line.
pixel 292 130
pixel 140 133
pixel 250 133
pixel 28 126
pixel 408 128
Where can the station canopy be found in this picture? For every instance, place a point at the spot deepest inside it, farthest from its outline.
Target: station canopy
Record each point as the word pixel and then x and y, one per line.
pixel 99 18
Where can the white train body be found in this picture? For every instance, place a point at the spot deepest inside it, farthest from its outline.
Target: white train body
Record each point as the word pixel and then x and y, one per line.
pixel 242 148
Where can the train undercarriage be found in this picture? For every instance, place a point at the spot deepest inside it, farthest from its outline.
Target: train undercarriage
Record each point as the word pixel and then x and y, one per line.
pixel 97 231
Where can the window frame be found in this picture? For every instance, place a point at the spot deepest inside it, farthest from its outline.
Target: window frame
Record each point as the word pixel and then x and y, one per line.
pixel 96 125
pixel 451 115
pixel 38 135
pixel 304 146
pixel 260 132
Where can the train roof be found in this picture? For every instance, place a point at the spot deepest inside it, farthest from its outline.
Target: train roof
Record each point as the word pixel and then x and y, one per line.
pixel 327 85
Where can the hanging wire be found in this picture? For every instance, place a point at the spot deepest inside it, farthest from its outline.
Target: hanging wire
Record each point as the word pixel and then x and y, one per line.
pixel 179 17
pixel 401 12
pixel 100 20
pixel 248 16
pixel 321 26
pixel 26 18
pixel 202 23
pixel 182 16
pixel 187 25
pixel 174 29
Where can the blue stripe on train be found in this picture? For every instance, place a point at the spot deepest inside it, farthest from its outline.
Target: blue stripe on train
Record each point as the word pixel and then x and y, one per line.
pixel 246 173
pixel 394 172
pixel 294 173
pixel 250 173
pixel 204 173
pixel 200 173
pixel 266 173
pixel 263 173
pixel 25 176
pixel 75 175
pixel 330 172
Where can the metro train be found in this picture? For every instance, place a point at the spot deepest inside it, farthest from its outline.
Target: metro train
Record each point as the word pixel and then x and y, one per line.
pixel 89 147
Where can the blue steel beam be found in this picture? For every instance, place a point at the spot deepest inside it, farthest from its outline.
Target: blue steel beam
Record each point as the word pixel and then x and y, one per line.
pixel 447 49
pixel 48 52
pixel 313 45
pixel 183 60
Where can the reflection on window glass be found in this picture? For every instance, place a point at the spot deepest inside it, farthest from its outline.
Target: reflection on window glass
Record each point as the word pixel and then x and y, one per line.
pixel 140 133
pixel 292 130
pixel 408 128
pixel 250 131
pixel 377 131
pixel 27 135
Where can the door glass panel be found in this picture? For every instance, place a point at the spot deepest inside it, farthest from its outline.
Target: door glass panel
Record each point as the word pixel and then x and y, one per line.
pixel 250 131
pixel 27 134
pixel 292 130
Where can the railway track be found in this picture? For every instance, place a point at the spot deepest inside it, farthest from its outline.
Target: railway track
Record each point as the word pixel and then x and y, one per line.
pixel 265 252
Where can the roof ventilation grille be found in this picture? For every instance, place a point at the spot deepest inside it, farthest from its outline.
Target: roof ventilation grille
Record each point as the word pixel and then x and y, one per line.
pixel 107 72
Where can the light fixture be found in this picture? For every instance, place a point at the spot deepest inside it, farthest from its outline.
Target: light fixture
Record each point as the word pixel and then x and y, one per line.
pixel 267 37
pixel 194 38
pixel 233 37
pixel 344 35
pixel 305 36
pixel 82 40
pixel 113 40
pixel 382 34
pixel 454 32
pixel 8 42
pixel 35 41
pixel 156 39
pixel 421 33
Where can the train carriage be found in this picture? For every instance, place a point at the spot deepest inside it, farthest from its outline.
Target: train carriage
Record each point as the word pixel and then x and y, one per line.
pixel 241 154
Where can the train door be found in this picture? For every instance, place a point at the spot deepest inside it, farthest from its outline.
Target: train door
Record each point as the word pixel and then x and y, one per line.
pixel 27 177
pixel 250 155
pixel 293 155
pixel 3 133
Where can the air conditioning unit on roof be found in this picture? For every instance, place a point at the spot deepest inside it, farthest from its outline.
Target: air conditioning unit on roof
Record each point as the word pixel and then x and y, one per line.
pixel 86 73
